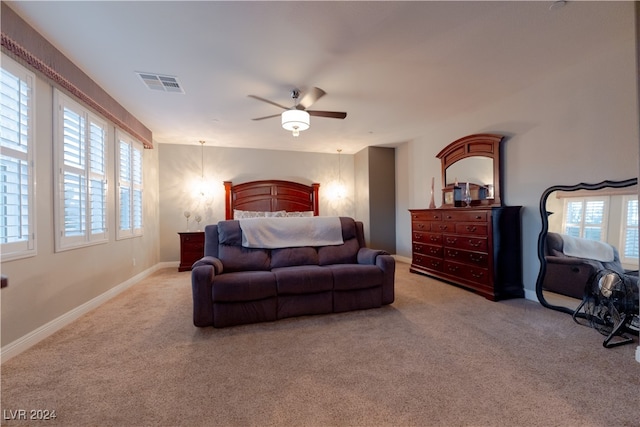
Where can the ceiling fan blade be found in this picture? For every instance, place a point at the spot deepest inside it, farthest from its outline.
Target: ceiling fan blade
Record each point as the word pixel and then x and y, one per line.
pixel 267 117
pixel 268 102
pixel 330 114
pixel 310 97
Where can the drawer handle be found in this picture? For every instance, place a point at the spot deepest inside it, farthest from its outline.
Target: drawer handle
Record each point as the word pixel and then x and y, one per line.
pixel 433 251
pixel 453 269
pixel 443 227
pixel 451 240
pixel 474 243
pixel 478 217
pixel 477 276
pixel 433 239
pixel 435 217
pixel 435 264
pixel 449 217
pixel 452 253
pixel 471 228
pixel 476 258
pixel 420 225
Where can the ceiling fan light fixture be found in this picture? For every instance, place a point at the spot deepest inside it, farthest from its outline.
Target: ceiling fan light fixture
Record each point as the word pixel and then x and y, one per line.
pixel 295 121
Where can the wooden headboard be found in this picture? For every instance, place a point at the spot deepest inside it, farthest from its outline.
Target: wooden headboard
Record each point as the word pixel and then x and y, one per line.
pixel 270 196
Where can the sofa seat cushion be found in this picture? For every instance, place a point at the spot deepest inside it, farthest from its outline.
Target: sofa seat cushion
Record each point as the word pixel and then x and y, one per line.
pixel 304 279
pixel 355 276
pixel 244 286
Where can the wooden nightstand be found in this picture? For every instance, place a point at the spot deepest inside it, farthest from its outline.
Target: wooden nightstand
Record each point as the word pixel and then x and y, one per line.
pixel 191 248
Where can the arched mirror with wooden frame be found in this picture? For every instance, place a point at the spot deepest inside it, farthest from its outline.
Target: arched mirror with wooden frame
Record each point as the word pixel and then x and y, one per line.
pixel 472 162
pixel 606 211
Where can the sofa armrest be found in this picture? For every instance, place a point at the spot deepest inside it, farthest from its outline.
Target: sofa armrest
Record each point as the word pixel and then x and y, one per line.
pixel 210 260
pixel 568 275
pixel 368 256
pixel 566 260
pixel 202 275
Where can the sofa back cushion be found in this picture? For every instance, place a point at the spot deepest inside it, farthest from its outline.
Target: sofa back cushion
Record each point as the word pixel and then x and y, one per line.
pixel 287 257
pixel 347 253
pixel 233 255
pixel 211 240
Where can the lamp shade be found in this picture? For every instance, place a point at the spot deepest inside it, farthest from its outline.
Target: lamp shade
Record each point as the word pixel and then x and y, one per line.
pixel 295 120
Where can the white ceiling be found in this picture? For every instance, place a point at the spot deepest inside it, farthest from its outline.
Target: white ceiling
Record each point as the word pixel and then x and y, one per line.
pixel 395 67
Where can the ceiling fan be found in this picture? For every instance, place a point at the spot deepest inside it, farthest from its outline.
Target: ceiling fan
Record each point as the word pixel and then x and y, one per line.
pixel 296 119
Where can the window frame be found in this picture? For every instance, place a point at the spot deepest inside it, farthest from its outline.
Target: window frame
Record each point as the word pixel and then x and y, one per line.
pixel 24 248
pixel 584 200
pixel 134 163
pixel 624 226
pixel 86 236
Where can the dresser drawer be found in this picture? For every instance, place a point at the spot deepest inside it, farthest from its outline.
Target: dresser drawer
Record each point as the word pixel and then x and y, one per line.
pixel 473 243
pixel 478 229
pixel 466 272
pixel 432 238
pixel 465 216
pixel 435 264
pixel 479 259
pixel 427 237
pixel 421 226
pixel 431 250
pixel 443 227
pixel 430 215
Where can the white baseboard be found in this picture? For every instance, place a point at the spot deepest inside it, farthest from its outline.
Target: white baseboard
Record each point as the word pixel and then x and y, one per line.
pixel 403 259
pixel 531 295
pixel 638 354
pixel 32 338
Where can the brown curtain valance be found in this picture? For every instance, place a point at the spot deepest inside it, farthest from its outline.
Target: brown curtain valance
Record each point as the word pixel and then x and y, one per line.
pixel 27 46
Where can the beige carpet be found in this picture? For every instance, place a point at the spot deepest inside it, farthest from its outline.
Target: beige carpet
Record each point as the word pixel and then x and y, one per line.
pixel 439 356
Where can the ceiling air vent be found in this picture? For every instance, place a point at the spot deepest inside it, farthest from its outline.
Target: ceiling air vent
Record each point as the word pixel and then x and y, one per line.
pixel 160 82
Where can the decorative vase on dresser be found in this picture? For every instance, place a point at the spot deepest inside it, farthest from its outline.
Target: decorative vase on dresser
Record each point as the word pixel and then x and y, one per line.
pixel 477 244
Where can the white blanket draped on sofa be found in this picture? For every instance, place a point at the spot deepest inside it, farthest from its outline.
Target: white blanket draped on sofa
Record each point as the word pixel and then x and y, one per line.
pixel 585 248
pixel 273 233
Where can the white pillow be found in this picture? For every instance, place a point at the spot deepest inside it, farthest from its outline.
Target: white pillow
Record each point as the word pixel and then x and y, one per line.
pixel 238 214
pixel 300 214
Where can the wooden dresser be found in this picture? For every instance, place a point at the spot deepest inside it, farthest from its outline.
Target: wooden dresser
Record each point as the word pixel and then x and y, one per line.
pixel 191 248
pixel 478 248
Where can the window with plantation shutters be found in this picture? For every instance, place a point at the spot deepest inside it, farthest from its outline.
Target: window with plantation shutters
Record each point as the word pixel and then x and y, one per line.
pixel 586 217
pixel 130 186
pixel 81 175
pixel 629 246
pixel 17 154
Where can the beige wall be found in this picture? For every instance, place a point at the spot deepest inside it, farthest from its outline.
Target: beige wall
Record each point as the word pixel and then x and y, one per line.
pixel 48 285
pixel 579 125
pixel 181 169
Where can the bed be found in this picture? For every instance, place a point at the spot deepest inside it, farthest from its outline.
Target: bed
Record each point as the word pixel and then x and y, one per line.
pixel 271 196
